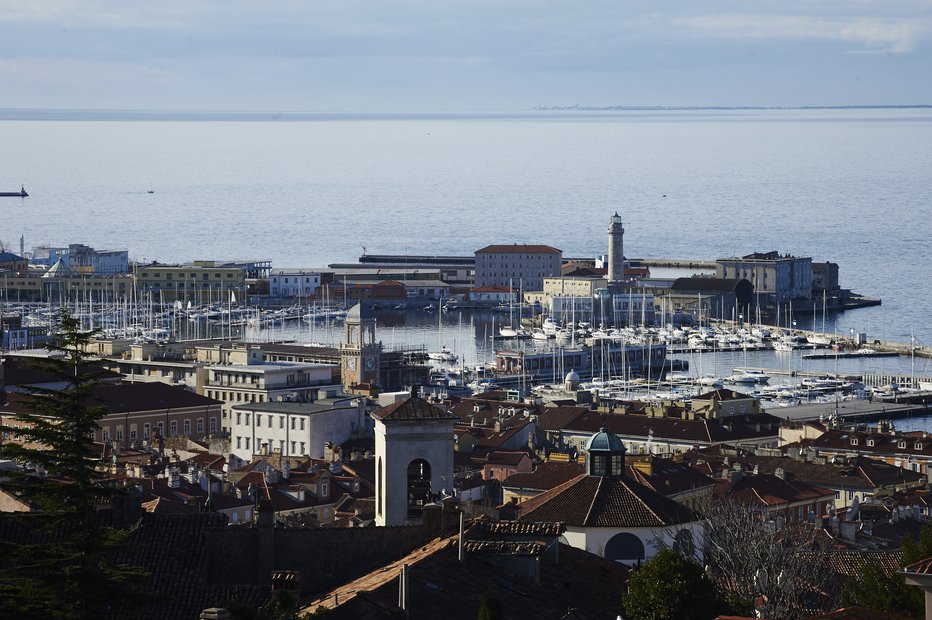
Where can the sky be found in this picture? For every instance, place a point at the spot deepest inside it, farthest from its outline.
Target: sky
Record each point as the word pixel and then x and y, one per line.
pixel 461 55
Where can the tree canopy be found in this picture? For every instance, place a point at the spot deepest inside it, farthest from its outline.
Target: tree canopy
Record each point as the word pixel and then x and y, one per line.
pixel 670 586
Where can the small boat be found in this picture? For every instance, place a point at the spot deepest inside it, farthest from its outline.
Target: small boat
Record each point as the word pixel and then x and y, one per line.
pixel 443 355
pixel 751 376
pixel 20 194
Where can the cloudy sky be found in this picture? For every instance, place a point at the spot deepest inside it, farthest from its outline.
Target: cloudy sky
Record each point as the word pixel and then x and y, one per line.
pixel 446 55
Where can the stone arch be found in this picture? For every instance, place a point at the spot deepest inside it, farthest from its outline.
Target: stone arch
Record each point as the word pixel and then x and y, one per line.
pixel 419 490
pixel 624 547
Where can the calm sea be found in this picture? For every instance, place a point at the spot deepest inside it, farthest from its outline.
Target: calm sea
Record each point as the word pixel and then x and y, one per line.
pixel 849 186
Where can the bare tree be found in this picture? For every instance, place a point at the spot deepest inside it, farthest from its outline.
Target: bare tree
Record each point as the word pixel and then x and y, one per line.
pixel 761 561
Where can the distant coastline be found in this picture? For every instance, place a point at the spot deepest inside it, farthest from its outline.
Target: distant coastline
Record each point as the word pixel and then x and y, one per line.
pixel 66 114
pixel 660 108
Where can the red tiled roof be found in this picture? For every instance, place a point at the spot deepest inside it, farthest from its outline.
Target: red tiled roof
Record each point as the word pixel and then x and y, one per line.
pixel 609 501
pixel 518 249
pixel 412 408
pixel 922 567
pixel 547 476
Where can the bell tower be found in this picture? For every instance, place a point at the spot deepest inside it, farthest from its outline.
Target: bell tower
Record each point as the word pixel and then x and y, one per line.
pixel 414 459
pixel 359 351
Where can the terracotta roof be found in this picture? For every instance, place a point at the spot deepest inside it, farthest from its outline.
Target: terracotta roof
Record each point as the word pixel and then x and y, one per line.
pixel 518 528
pixel 769 490
pixel 547 476
pixel 922 567
pixel 412 408
pixel 670 478
pixel 609 501
pixel 501 547
pixel 883 443
pixel 700 430
pixel 858 472
pixel 518 249
pixel 440 586
pixel 505 458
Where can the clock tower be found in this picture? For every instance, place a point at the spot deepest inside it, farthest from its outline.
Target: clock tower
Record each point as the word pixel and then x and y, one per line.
pixel 359 351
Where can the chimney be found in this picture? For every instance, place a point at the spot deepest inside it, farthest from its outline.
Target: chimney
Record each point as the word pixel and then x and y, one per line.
pixel 779 473
pixel 286 468
pixel 530 440
pixel 174 480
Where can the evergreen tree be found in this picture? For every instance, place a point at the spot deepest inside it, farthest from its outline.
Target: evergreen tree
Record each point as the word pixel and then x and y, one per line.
pixel 670 586
pixel 59 565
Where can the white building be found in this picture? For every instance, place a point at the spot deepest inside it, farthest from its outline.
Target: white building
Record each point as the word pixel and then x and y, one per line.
pixel 614 516
pixel 261 383
pixel 296 429
pixel 289 283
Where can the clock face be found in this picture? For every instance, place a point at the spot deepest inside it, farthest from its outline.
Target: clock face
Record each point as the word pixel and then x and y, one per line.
pixel 370 364
pixel 351 363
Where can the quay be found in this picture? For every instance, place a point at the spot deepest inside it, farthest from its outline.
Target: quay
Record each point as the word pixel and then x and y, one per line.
pixel 849 355
pixel 673 263
pixel 853 411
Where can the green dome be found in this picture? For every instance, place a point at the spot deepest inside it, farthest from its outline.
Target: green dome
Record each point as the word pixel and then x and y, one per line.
pixel 605 441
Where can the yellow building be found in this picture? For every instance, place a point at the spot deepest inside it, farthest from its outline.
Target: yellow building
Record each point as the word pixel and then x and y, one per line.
pixel 200 283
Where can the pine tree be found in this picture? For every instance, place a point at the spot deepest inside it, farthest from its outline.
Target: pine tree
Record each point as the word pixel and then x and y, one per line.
pixel 60 563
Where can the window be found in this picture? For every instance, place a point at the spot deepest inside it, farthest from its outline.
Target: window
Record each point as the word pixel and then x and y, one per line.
pixel 187 427
pixel 854 441
pixel 132 431
pixel 119 433
pixel 292 425
pixel 303 451
pixel 281 421
pixel 200 425
pixel 917 446
pixel 213 424
pixel 247 443
pixel 105 434
pixel 270 421
pixel 293 447
pixel 161 427
pixel 302 424
pixel 870 442
pixel 174 427
pixel 901 444
pixel 239 443
pixel 146 430
pixel 258 419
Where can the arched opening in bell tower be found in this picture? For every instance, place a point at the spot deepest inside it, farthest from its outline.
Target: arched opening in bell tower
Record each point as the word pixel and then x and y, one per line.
pixel 418 487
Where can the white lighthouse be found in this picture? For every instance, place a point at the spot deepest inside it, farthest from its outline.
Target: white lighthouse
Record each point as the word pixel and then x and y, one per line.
pixel 616 250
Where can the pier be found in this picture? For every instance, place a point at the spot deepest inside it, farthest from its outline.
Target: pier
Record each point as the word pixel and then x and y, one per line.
pixel 852 411
pixel 673 263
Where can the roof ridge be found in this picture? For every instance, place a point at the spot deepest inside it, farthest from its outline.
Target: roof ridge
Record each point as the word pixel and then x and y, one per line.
pixel 624 481
pixel 595 497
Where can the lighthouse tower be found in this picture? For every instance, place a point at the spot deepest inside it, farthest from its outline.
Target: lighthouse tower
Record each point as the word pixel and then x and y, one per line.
pixel 616 250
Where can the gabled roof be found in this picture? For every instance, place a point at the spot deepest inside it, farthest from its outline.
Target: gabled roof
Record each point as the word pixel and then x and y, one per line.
pixel 606 501
pixel 412 408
